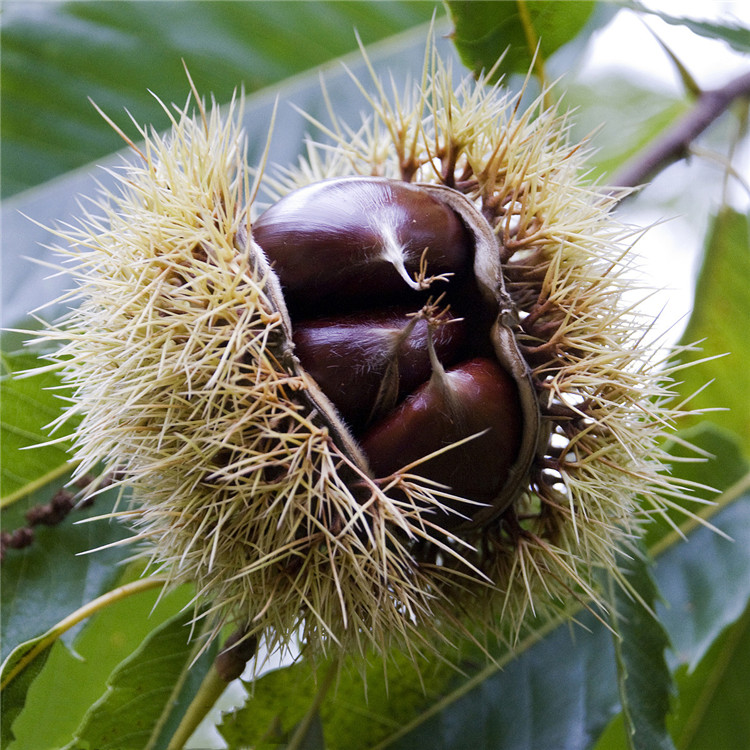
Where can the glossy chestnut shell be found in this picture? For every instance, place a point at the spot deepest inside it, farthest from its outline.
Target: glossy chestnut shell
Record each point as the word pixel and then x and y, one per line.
pixel 395 313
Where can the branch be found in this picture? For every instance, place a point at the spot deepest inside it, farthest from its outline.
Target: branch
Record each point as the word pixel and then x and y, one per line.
pixel 238 649
pixel 674 144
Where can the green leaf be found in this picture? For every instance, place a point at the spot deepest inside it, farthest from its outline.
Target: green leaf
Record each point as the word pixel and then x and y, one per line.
pixel 625 116
pixel 484 30
pixel 27 405
pixel 726 467
pixel 442 709
pixel 14 694
pixel 558 689
pixel 282 698
pixel 712 711
pixel 27 284
pixel 720 322
pixel 734 34
pixel 555 693
pixel 43 583
pixel 56 55
pixel 689 84
pixel 44 678
pixel 70 681
pixel 128 716
pixel 710 658
pixel 311 739
pixel 645 683
pixel 486 714
pixel 174 710
pixel 698 609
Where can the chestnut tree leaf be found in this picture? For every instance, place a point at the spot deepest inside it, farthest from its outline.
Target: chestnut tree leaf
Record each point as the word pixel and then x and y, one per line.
pixel 717 465
pixel 44 582
pixel 558 689
pixel 712 710
pixel 695 609
pixel 734 34
pixel 642 114
pixel 67 678
pixel 189 682
pixel 484 30
pixel 644 680
pixel 709 632
pixel 141 690
pixel 14 692
pixel 281 698
pixel 27 284
pixel 57 55
pixel 695 612
pixel 719 322
pixel 27 405
pixel 313 738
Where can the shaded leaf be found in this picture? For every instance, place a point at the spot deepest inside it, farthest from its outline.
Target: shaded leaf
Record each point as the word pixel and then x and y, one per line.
pixel 517 705
pixel 356 712
pixel 40 733
pixel 712 710
pixel 625 116
pixel 313 738
pixel 27 405
pixel 484 30
pixel 711 665
pixel 43 583
pixel 139 690
pixel 720 319
pixel 564 686
pixel 734 34
pixel 56 55
pixel 689 84
pixel 26 285
pixel 175 709
pixel 712 459
pixel 696 609
pixel 70 681
pixel 559 688
pixel 14 693
pixel 645 682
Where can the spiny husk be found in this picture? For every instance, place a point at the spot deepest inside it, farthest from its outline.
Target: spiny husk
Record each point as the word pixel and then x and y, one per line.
pixel 179 355
pixel 606 405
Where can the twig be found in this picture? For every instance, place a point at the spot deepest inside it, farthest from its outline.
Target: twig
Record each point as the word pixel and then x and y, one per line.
pixel 210 690
pixel 228 666
pixel 675 143
pixel 52 513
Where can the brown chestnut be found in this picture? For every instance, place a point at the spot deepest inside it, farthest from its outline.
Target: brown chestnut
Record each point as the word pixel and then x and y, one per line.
pixel 476 398
pixel 366 362
pixel 361 239
pixel 346 260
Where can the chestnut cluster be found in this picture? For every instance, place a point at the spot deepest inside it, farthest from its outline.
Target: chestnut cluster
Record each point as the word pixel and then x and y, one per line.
pixel 396 323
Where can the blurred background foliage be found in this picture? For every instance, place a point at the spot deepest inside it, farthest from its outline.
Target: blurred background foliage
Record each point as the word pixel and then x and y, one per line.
pixel 76 682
